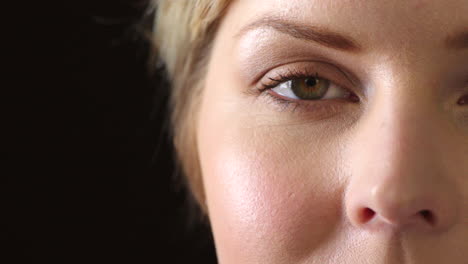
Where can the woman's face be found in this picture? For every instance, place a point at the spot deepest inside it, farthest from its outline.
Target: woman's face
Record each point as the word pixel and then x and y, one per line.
pixel 337 132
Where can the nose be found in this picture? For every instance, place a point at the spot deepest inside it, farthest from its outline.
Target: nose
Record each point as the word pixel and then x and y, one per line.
pixel 400 175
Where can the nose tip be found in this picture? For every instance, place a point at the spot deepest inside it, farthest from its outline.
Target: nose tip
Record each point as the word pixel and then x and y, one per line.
pixel 384 208
pixel 401 209
pixel 404 172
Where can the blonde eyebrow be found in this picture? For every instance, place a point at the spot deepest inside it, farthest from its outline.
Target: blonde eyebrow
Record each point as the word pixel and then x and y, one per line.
pixel 458 41
pixel 315 34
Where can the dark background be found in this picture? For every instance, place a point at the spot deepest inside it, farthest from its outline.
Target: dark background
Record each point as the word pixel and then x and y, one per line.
pixel 88 169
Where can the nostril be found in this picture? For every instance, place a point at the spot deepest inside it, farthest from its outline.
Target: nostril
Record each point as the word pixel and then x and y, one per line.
pixel 428 216
pixel 366 215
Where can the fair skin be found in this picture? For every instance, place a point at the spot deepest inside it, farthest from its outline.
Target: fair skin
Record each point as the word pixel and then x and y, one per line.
pixel 377 171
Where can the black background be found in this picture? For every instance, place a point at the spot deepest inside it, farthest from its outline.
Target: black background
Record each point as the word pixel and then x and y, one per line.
pixel 88 171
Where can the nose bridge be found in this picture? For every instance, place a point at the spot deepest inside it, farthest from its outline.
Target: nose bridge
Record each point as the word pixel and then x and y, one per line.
pixel 403 129
pixel 404 112
pixel 404 158
pixel 398 176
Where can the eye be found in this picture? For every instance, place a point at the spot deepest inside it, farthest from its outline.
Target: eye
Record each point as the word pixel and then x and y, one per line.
pixel 310 88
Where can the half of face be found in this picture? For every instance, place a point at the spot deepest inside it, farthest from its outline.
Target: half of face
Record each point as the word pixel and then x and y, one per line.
pixel 335 132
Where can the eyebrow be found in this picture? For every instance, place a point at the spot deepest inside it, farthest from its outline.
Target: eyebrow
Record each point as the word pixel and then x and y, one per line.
pixel 332 39
pixel 315 34
pixel 458 41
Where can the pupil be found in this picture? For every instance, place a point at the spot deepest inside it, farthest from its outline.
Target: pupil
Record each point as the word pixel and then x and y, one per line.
pixel 311 82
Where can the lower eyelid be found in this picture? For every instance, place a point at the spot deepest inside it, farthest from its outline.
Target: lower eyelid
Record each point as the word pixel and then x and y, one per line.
pixel 311 103
pixel 321 108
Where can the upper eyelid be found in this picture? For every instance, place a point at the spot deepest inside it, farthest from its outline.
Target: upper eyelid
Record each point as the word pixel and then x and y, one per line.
pixel 328 63
pixel 324 70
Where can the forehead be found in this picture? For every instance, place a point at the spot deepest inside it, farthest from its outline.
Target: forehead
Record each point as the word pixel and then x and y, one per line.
pixel 372 21
pixel 392 8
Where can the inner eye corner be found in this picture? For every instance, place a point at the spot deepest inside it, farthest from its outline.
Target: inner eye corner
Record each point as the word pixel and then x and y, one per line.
pixel 463 100
pixel 354 97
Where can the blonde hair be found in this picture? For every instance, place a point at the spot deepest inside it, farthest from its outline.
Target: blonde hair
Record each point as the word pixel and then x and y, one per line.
pixel 184 32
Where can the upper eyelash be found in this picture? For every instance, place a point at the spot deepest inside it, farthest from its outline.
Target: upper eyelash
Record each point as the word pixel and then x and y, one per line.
pixel 290 75
pixel 265 87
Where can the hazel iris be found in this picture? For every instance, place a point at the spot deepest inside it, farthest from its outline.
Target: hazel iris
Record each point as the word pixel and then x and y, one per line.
pixel 310 88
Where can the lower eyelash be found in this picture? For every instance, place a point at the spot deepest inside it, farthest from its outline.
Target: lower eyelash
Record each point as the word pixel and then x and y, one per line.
pixel 319 108
pixel 283 103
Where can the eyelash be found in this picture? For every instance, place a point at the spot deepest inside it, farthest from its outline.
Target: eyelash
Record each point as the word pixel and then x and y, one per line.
pixel 319 106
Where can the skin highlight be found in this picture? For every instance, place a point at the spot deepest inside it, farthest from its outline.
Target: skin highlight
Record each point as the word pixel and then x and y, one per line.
pixel 382 180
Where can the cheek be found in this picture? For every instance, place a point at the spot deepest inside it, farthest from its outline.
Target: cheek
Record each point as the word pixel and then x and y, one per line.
pixel 270 194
